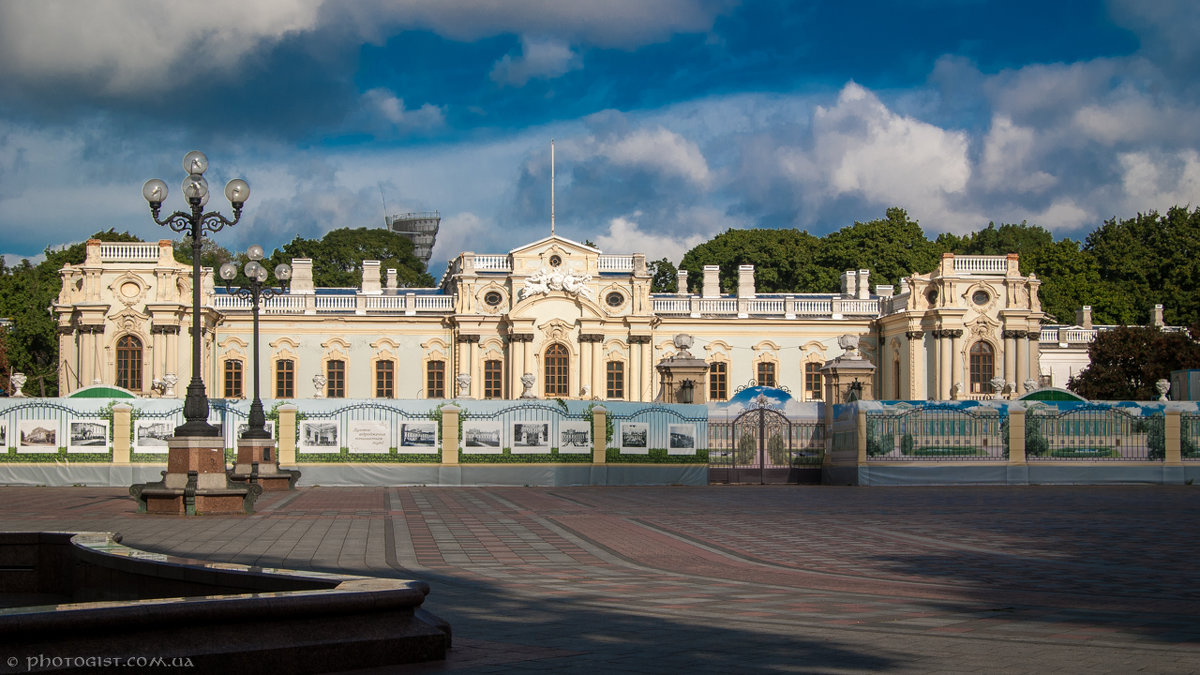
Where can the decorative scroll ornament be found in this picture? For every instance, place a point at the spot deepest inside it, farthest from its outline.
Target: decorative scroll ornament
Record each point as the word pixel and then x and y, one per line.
pixel 545 280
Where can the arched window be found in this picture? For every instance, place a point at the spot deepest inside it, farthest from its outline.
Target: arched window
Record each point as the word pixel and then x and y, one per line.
pixel 129 363
pixel 557 361
pixel 983 367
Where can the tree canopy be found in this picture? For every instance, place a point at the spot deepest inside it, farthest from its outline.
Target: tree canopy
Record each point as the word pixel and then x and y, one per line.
pixel 338 256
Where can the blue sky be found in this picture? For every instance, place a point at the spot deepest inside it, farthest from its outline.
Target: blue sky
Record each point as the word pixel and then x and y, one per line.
pixel 673 120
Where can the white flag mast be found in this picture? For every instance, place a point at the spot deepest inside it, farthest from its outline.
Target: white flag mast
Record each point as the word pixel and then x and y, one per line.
pixel 551 187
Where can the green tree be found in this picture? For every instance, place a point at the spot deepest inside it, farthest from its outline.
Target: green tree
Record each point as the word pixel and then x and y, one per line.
pixel 664 277
pixel 337 257
pixel 212 254
pixel 1023 239
pixel 783 260
pixel 1127 361
pixel 891 247
pixel 1146 260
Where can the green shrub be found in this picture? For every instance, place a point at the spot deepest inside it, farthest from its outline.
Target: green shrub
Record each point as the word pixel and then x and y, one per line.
pixel 906 444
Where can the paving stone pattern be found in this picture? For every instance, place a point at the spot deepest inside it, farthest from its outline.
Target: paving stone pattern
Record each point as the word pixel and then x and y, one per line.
pixel 733 579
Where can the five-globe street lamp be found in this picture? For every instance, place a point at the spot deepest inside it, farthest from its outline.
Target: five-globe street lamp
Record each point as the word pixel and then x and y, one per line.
pixel 195 222
pixel 256 290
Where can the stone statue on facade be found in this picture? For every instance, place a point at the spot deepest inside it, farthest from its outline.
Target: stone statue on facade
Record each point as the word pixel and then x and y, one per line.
pixel 464 384
pixel 527 381
pixel 997 386
pixel 1030 385
pixel 956 391
pixel 169 381
pixel 849 345
pixel 585 392
pixel 683 342
pixel 18 381
pixel 319 386
pixel 1162 387
pixel 545 280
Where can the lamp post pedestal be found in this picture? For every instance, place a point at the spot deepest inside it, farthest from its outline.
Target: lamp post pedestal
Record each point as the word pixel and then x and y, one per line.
pixel 258 463
pixel 195 482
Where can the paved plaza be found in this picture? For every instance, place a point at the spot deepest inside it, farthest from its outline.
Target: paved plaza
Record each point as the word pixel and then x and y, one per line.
pixel 732 579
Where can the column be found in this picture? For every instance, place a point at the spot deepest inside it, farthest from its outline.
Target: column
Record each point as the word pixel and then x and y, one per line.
pixel 1022 356
pixel 601 390
pixel 475 370
pixel 160 354
pixel 1035 357
pixel 172 333
pixel 916 364
pixel 942 368
pixel 1010 358
pixel 87 356
pixel 956 361
pixel 638 365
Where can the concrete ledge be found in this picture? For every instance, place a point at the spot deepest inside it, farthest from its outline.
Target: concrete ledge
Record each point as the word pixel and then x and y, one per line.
pixel 220 618
pixel 539 475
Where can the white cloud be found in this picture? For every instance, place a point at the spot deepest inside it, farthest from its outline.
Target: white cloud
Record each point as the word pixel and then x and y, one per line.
pixel 540 58
pixel 1009 159
pixel 627 236
pixel 1159 181
pixel 128 46
pixel 121 47
pixel 390 108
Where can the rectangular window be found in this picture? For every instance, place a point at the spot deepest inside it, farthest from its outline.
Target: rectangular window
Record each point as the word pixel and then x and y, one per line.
pixel 335 376
pixel 435 379
pixel 385 379
pixel 718 382
pixel 493 379
pixel 766 374
pixel 812 381
pixel 285 378
pixel 615 381
pixel 233 378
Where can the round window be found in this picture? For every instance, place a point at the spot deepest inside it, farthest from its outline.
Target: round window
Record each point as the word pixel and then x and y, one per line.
pixel 555 261
pixel 493 298
pixel 614 299
pixel 980 297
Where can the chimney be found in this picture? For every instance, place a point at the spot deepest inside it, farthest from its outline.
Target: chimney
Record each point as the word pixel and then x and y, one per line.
pixel 849 284
pixel 884 291
pixel 302 279
pixel 681 282
pixel 1158 317
pixel 712 281
pixel 391 278
pixel 1083 318
pixel 745 281
pixel 370 277
pixel 864 290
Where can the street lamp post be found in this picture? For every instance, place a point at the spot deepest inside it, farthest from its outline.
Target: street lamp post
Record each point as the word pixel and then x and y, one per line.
pixel 195 222
pixel 256 290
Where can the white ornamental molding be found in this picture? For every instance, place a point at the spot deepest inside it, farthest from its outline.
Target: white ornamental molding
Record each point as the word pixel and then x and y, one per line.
pixel 545 280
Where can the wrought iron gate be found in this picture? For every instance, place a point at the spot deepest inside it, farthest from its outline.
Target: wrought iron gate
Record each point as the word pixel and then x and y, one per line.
pixel 763 446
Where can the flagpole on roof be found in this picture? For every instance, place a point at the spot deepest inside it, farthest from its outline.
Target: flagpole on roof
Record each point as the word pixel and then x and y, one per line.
pixel 551 187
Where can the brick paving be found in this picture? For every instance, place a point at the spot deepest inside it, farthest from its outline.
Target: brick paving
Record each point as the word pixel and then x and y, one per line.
pixel 731 578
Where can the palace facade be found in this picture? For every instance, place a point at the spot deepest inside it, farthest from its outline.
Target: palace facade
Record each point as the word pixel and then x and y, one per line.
pixel 551 319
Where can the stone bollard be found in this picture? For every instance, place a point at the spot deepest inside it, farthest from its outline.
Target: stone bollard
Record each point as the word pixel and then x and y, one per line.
pixel 599 434
pixel 450 434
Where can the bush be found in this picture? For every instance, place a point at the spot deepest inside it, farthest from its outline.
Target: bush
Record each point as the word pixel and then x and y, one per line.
pixel 747 450
pixel 1036 444
pixel 778 452
pixel 1156 437
pixel 906 444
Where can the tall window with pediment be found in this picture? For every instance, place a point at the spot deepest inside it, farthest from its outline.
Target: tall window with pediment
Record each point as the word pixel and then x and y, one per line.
pixel 335 379
pixel 615 380
pixel 233 378
pixel 718 381
pixel 285 378
pixel 435 379
pixel 129 363
pixel 557 362
pixel 766 374
pixel 385 379
pixel 983 365
pixel 812 381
